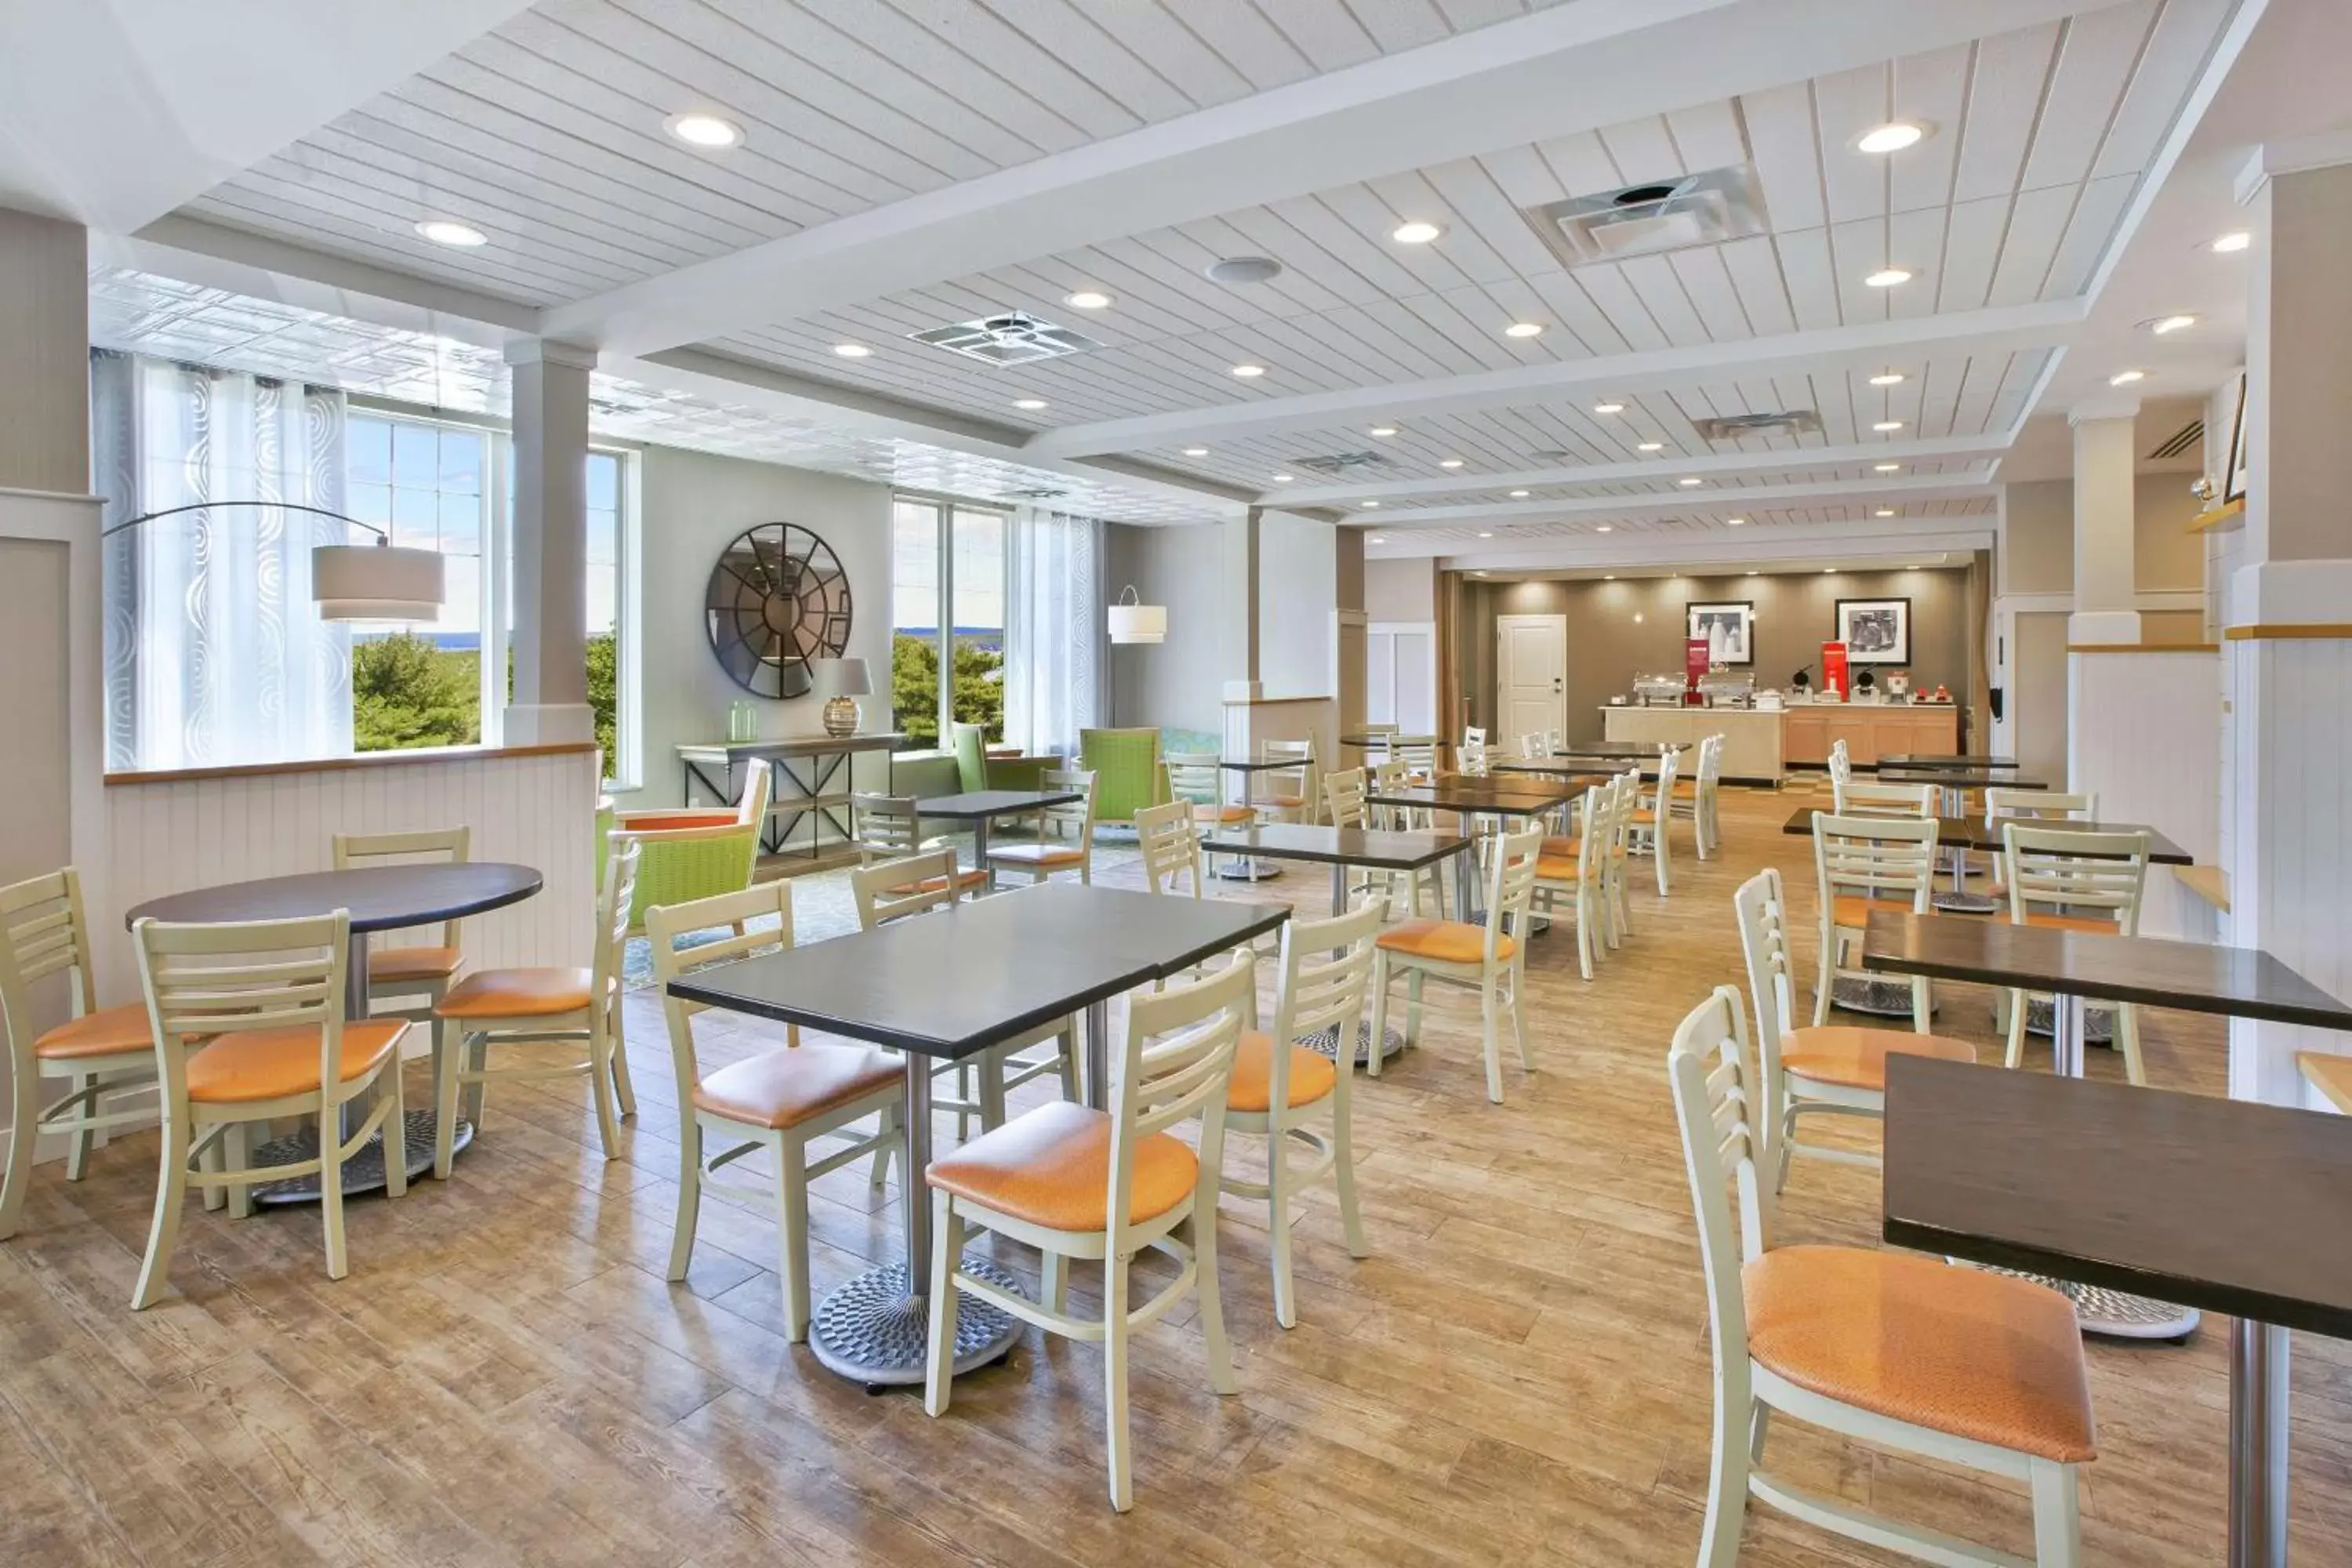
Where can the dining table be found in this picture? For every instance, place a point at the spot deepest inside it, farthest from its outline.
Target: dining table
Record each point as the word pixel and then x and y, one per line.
pixel 1963 761
pixel 981 807
pixel 1246 769
pixel 945 986
pixel 380 898
pixel 2222 1205
pixel 1471 796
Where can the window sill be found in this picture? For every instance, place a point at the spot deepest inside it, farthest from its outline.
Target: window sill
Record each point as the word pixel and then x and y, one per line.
pixel 357 760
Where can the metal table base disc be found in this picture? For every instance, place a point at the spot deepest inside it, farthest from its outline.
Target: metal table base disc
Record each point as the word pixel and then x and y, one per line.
pixel 2098 1023
pixel 1964 903
pixel 1243 871
pixel 1326 1040
pixel 873 1331
pixel 362 1173
pixel 2113 1313
pixel 1881 998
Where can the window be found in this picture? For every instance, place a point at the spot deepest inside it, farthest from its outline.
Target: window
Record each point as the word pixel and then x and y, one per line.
pixel 970 542
pixel 425 484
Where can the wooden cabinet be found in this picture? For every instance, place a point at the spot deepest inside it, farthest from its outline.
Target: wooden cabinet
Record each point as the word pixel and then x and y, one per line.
pixel 1869 731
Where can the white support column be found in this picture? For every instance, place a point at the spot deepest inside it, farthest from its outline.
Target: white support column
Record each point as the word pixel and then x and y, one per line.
pixel 1237 584
pixel 551 543
pixel 2105 460
pixel 2287 649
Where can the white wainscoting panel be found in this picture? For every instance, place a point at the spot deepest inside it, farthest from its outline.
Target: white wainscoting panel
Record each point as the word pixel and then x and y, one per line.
pixel 2142 732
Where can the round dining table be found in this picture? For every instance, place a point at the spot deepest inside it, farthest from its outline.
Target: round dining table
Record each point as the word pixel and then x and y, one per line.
pixel 380 898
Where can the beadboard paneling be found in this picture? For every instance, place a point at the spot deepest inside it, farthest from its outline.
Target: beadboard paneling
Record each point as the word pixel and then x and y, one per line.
pixel 2142 735
pixel 539 811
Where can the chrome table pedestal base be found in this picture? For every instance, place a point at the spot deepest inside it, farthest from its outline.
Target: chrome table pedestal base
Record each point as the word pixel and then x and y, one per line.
pixel 1326 1041
pixel 362 1173
pixel 876 1331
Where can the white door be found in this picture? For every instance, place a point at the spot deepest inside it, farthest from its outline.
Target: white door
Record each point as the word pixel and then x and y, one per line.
pixel 1401 675
pixel 1531 677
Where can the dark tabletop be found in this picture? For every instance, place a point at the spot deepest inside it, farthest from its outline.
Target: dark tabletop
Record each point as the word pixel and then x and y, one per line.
pixel 1262 765
pixel 1459 794
pixel 1921 760
pixel 1971 833
pixel 1629 749
pixel 1378 740
pixel 1956 778
pixel 1566 765
pixel 2219 1203
pixel 800 745
pixel 381 898
pixel 2195 976
pixel 1337 846
pixel 957 981
pixel 996 801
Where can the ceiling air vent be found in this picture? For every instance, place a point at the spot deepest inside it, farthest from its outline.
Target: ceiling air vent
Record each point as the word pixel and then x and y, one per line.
pixel 1033 495
pixel 1341 462
pixel 1014 338
pixel 1664 215
pixel 2188 435
pixel 1739 426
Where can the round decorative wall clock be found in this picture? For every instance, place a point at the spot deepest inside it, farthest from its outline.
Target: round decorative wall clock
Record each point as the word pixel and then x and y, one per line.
pixel 778 598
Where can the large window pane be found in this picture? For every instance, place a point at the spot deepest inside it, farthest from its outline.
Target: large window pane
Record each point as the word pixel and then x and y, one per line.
pixel 425 482
pixel 604 609
pixel 915 622
pixel 979 581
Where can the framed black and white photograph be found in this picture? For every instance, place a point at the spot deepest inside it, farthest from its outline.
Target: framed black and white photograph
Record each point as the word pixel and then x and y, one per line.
pixel 1729 627
pixel 2233 486
pixel 1874 631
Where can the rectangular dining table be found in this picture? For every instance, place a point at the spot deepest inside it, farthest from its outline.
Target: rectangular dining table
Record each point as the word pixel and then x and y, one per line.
pixel 2221 1205
pixel 1377 849
pixel 1960 761
pixel 2198 977
pixel 1471 795
pixel 945 987
pixel 1248 768
pixel 980 806
pixel 1975 832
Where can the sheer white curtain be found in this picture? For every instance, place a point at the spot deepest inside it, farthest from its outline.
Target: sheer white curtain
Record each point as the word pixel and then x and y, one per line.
pixel 215 651
pixel 1053 629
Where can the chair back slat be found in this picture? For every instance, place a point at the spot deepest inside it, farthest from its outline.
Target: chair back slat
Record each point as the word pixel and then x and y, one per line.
pixel 1195 777
pixel 1297 780
pixel 1170 847
pixel 2062 870
pixel 1874 857
pixel 1510 885
pixel 615 907
pixel 667 924
pixel 1326 970
pixel 889 826
pixel 1072 819
pixel 1724 1147
pixel 41 933
pixel 1343 796
pixel 205 979
pixel 1419 757
pixel 892 890
pixel 1841 763
pixel 1855 798
pixel 430 847
pixel 2039 805
pixel 1177 1058
pixel 1761 905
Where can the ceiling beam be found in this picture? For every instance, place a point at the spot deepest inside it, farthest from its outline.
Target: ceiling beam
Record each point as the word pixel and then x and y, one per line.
pixel 1746 498
pixel 1938 449
pixel 1577 65
pixel 1799 540
pixel 2001 330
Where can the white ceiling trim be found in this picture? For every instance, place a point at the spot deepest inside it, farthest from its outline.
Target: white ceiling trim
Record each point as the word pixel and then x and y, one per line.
pixel 1577 65
pixel 1792 541
pixel 2004 330
pixel 1917 488
pixel 1990 444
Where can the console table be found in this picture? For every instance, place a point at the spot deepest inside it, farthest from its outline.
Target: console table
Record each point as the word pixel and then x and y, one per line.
pixel 813 780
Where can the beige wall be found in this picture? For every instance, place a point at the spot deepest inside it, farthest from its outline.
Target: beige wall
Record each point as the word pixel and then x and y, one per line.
pixel 44 354
pixel 35 830
pixel 1297 588
pixel 2038 536
pixel 1401 590
pixel 1179 683
pixel 1795 613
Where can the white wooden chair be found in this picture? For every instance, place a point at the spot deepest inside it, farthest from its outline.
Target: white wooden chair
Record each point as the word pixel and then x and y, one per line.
pixel 1343 800
pixel 549 1005
pixel 1065 834
pixel 1570 869
pixel 781 1101
pixel 896 890
pixel 1831 1068
pixel 1420 759
pixel 98 1051
pixel 1617 870
pixel 1489 958
pixel 1699 796
pixel 1532 747
pixel 1471 757
pixel 2040 804
pixel 1859 797
pixel 1841 763
pixel 2066 880
pixel 1281 1089
pixel 410 971
pixel 1293 793
pixel 1861 863
pixel 889 827
pixel 1169 847
pixel 1075 1183
pixel 1958 1365
pixel 1555 742
pixel 265 997
pixel 1654 816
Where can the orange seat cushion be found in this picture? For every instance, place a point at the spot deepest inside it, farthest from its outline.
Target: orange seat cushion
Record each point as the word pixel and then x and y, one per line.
pixel 1685 789
pixel 413 963
pixel 1448 941
pixel 1052 1167
pixel 1563 848
pixel 270 1064
pixel 109 1032
pixel 1555 869
pixel 2073 923
pixel 1291 802
pixel 1206 811
pixel 1039 854
pixel 1956 1349
pixel 1857 1058
pixel 671 821
pixel 1312 1074
pixel 518 993
pixel 963 878
pixel 1852 914
pixel 1644 816
pixel 784 1089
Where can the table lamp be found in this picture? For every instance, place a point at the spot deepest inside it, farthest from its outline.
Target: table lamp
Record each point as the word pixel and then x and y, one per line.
pixel 843 680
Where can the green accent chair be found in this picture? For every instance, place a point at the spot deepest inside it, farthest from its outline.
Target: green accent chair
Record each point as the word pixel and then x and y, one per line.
pixel 689 855
pixel 1129 775
pixel 976 770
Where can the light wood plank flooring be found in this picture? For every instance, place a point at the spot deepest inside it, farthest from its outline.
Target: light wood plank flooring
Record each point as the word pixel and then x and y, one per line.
pixel 1518 1374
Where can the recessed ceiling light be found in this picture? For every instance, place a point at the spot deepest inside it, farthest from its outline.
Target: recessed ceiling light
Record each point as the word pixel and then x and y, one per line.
pixel 1735 522
pixel 1884 511
pixel 1752 573
pixel 1367 505
pixel 2237 239
pixel 1031 404
pixel 445 231
pixel 1829 571
pixel 1609 409
pixel 2125 377
pixel 1689 483
pixel 1888 378
pixel 1382 430
pixel 1196 451
pixel 1283 479
pixel 1485 533
pixel 1524 329
pixel 2166 324
pixel 1890 138
pixel 1374 539
pixel 1888 424
pixel 1249 371
pixel 852 351
pixel 1888 467
pixel 1609 576
pixel 704 130
pixel 1477 573
pixel 1449 462
pixel 1415 233
pixel 1605 528
pixel 1887 278
pixel 1087 299
pixel 1518 495
pixel 1650 447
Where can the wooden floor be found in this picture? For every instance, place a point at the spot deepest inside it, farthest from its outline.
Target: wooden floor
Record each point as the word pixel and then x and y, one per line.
pixel 1518 1373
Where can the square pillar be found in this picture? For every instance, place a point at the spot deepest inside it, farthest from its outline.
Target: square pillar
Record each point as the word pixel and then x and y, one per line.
pixel 551 544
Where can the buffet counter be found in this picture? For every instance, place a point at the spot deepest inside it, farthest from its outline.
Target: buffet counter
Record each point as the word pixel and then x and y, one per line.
pixel 1760 747
pixel 1753 748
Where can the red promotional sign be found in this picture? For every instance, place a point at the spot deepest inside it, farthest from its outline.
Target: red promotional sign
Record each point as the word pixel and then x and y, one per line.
pixel 1695 663
pixel 1833 671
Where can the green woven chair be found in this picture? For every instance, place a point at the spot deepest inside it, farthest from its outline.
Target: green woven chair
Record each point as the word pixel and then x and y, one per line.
pixel 1128 777
pixel 691 855
pixel 976 770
